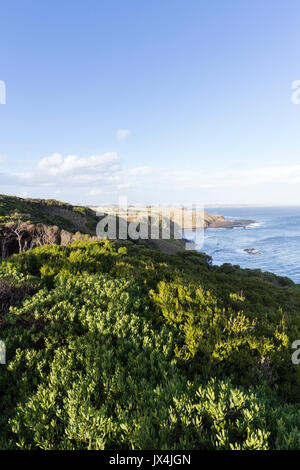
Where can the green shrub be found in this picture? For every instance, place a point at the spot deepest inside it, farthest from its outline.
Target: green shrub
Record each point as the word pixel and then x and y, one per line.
pixel 115 346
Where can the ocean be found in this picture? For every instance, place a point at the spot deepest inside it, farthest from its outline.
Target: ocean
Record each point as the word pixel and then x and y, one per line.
pixel 275 235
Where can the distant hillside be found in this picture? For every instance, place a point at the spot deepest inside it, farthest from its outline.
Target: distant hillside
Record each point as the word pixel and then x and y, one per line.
pixel 170 219
pixel 179 215
pixel 29 223
pixel 49 212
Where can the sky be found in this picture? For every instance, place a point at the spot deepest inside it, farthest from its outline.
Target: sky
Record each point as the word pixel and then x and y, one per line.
pixel 161 101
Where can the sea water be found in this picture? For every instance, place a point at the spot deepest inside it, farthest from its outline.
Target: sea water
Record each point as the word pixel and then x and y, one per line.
pixel 275 235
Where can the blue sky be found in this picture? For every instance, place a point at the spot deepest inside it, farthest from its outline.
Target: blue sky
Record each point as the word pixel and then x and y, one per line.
pixel 163 101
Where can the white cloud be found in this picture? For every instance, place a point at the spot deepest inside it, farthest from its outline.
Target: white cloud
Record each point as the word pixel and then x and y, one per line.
pixel 236 178
pixel 140 171
pixel 71 165
pixel 95 174
pixel 50 162
pixel 122 134
pixel 103 174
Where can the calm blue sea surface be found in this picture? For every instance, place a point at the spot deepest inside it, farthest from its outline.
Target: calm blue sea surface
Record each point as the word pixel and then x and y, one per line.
pixel 276 235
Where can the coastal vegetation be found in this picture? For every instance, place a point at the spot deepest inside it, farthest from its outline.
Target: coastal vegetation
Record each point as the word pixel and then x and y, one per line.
pixel 112 345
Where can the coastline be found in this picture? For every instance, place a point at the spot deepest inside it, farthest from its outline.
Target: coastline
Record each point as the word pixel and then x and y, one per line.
pixel 228 223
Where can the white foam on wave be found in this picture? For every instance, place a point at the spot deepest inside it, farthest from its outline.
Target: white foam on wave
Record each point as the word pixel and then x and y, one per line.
pixel 254 225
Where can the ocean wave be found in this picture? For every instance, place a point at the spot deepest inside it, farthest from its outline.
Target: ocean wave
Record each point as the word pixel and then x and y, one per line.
pixel 254 225
pixel 280 239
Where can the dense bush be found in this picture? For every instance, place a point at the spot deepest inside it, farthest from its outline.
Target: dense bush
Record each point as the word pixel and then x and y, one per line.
pixel 214 339
pixel 11 293
pixel 120 347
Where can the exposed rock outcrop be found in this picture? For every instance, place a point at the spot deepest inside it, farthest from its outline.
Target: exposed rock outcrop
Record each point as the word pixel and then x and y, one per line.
pixel 252 251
